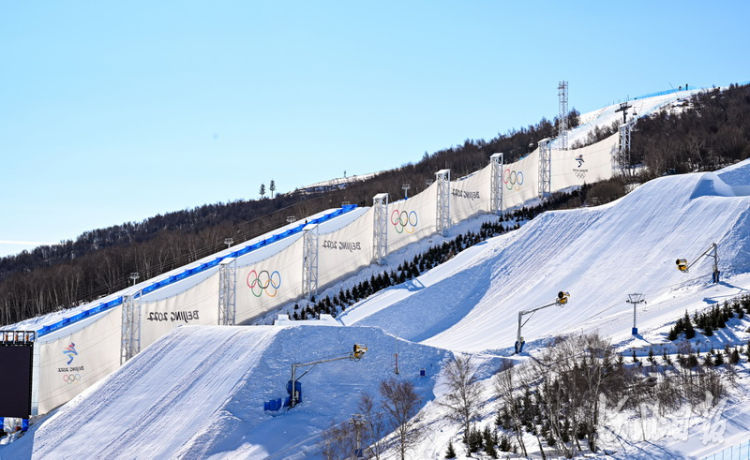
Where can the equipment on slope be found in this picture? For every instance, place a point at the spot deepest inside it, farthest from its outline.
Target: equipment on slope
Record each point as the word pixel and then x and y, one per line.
pixel 682 265
pixel 294 387
pixel 561 300
pixel 713 251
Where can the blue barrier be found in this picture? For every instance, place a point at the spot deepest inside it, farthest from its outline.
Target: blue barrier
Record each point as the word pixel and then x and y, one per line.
pixel 658 93
pixel 273 405
pixel 670 91
pixel 191 271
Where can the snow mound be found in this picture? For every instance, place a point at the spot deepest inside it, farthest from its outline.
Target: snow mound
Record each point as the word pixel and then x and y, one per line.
pixel 711 185
pixel 738 177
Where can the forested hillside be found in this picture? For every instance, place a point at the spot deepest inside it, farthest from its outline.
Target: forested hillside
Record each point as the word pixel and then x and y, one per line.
pixel 713 130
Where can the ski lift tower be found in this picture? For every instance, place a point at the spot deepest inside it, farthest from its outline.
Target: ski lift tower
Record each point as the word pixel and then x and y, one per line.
pixel 562 299
pixel 635 299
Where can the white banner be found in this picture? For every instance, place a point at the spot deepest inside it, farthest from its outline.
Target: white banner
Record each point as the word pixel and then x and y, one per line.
pixel 413 219
pixel 70 364
pixel 470 195
pixel 521 180
pixel 198 305
pixel 585 165
pixel 268 283
pixel 345 250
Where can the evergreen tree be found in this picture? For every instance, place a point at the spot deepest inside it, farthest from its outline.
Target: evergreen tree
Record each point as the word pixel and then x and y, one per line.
pixel 689 331
pixel 734 358
pixel 262 190
pixel 451 453
pixel 272 187
pixel 489 446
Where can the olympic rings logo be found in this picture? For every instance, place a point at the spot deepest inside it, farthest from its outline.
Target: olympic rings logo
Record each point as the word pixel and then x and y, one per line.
pixel 263 281
pixel 71 378
pixel 513 179
pixel 404 221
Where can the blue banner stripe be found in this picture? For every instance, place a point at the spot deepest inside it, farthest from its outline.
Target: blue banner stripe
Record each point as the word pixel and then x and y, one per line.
pixel 104 306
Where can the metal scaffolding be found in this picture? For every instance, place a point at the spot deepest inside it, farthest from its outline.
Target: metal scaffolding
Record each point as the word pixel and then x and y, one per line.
pixel 380 228
pixel 130 343
pixel 227 291
pixel 496 183
pixel 545 168
pixel 562 94
pixel 443 220
pixel 310 261
pixel 623 153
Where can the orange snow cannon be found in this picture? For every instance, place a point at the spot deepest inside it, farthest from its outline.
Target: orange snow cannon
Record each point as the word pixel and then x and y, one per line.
pixel 682 265
pixel 358 351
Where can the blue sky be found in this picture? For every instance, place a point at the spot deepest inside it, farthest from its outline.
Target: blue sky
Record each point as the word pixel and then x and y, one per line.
pixel 117 111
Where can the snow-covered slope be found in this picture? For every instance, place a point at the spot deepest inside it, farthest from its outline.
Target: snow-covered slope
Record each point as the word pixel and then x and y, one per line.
pixel 597 254
pixel 199 392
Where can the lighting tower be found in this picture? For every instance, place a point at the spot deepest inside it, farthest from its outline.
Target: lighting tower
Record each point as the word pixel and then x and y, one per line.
pixel 562 94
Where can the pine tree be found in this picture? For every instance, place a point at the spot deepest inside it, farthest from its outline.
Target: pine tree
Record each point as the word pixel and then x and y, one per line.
pixel 451 453
pixel 262 190
pixel 735 356
pixel 689 331
pixel 505 444
pixel 272 187
pixel 489 446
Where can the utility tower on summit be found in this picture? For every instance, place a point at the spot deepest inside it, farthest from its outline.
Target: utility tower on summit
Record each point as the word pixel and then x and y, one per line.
pixel 562 94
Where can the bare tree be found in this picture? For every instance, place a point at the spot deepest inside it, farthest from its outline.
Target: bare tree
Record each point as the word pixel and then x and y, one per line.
pixel 505 387
pixel 463 395
pixel 401 406
pixel 340 440
pixel 374 427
